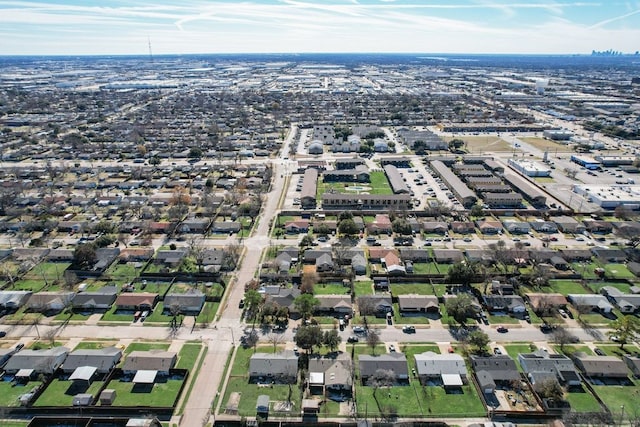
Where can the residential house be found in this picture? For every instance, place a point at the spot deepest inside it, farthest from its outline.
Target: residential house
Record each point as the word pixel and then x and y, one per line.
pixel 334 304
pixel 188 303
pixel 447 256
pixel 392 264
pixel 598 226
pixel 378 254
pixel 99 300
pixel 608 255
pixel 590 302
pixel 559 263
pixel 494 371
pixel 27 362
pixel 541 366
pixel 13 300
pixel 489 226
pixel 394 362
pixel 576 255
pixel 568 224
pixel 381 224
pixel 545 303
pixel 447 369
pixel 601 366
pixel 139 301
pixel 627 303
pixel 413 303
pixel 226 227
pixel 136 254
pixel 505 303
pixel 151 360
pixel 375 304
pixel 463 227
pixel 171 258
pixel 324 263
pixel 633 363
pixel 297 226
pixel 435 227
pixel 544 226
pixel 311 255
pixel 194 225
pixel 332 376
pixel 279 367
pixel 516 227
pixel 415 255
pixel 103 359
pixel 49 302
pixel 284 297
pixel 359 264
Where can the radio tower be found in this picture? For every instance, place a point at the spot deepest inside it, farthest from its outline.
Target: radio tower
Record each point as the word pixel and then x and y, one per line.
pixel 150 53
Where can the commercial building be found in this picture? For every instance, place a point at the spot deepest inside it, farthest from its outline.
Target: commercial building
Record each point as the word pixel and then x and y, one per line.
pixel 309 188
pixel 529 168
pixel 585 161
pixel 610 196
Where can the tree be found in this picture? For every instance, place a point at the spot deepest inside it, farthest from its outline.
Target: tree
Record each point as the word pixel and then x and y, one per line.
pixel 253 300
pixel 195 152
pixel 306 241
pixel 476 211
pixel 331 339
pixel 456 144
pixel 562 337
pixel 501 255
pixel 309 280
pixel 460 308
pixel 275 340
pixel 348 227
pixel 401 226
pixel 373 339
pixel 84 256
pixel 462 272
pixel 419 147
pixel 307 337
pixel 630 233
pixel 306 304
pixel 381 378
pixel 625 328
pixel 549 389
pixel 479 340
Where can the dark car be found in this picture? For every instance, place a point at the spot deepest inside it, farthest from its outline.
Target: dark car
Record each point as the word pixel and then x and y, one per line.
pixel 3 334
pixel 599 352
pixel 545 328
pixel 352 338
pixel 496 350
pixel 241 303
pixel 502 329
pixel 409 329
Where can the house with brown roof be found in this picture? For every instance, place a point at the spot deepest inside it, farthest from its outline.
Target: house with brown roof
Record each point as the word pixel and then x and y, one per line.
pixel 413 303
pixel 334 304
pixel 378 254
pixel 463 227
pixel 297 226
pixel 447 256
pixel 151 360
pixel 381 224
pixel 136 301
pixel 601 366
pixel 489 226
pixel 543 302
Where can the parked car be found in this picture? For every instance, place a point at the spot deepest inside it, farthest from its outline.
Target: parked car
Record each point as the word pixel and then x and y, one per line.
pixel 352 338
pixel 408 329
pixel 599 352
pixel 502 329
pixel 496 350
pixel 392 348
pixel 241 303
pixel 545 328
pixel 358 330
pixel 563 313
pixel 3 334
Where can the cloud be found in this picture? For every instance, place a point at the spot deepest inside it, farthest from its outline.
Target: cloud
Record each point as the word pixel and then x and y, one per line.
pixel 614 19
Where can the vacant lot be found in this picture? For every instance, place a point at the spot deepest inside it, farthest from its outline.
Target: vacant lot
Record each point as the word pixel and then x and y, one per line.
pixel 479 144
pixel 546 144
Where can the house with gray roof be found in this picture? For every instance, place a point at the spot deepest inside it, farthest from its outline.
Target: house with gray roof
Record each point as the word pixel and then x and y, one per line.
pixel 334 304
pixel 491 371
pixel 395 362
pixel 359 264
pixel 44 361
pixel 103 359
pixel 447 369
pixel 447 256
pixel 99 300
pixel 332 375
pixel 601 366
pixel 151 360
pixel 626 303
pixel 279 367
pixel 633 363
pixel 188 303
pixel 13 300
pixel 592 302
pixel 49 302
pixel 414 303
pixel 540 366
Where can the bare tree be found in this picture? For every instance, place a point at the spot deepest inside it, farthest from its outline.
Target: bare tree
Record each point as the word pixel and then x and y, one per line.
pixel 562 337
pixel 373 339
pixel 275 340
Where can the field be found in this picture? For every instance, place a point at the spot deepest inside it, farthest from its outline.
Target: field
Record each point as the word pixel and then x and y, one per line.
pixel 378 185
pixel 480 144
pixel 546 144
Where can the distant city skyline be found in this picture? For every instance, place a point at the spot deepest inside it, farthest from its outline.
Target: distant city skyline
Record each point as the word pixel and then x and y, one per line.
pixel 82 27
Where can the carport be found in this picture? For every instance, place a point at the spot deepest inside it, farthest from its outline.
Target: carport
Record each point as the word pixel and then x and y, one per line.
pixel 145 377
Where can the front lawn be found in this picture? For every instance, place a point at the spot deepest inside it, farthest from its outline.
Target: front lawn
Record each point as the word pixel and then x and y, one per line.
pixel 94 345
pixel 411 288
pixel 363 288
pixel 146 346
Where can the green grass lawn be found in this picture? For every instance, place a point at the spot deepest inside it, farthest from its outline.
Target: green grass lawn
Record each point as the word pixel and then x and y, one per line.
pixel 615 350
pixel 60 393
pixel 161 394
pixel 566 287
pixel 94 345
pixel 582 400
pixel 208 312
pixel 249 395
pixel 507 320
pixel 124 272
pixel 112 316
pixel 514 349
pixel 430 268
pixel 411 288
pixel 618 271
pixel 379 183
pixel 9 395
pixel 614 396
pixel 415 400
pixel 188 355
pixel 330 289
pixel 363 288
pixel 569 350
pixel 417 318
pixel 411 350
pixel 596 286
pixel 586 270
pixel 146 346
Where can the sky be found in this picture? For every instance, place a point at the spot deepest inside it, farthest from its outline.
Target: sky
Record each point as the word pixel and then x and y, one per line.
pixel 88 27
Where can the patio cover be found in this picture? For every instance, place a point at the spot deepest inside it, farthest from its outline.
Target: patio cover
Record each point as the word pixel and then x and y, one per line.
pixel 145 377
pixel 24 373
pixel 451 380
pixel 316 378
pixel 83 373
